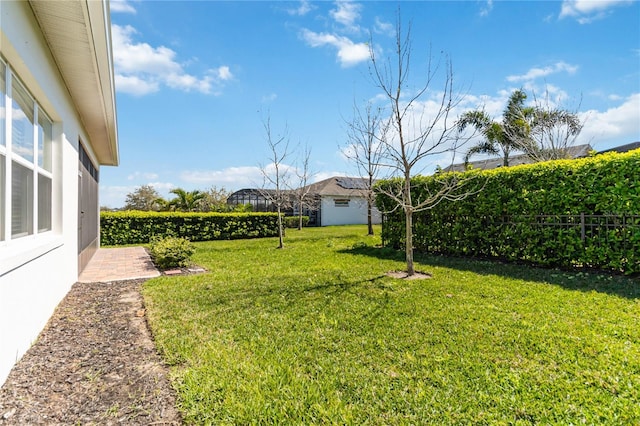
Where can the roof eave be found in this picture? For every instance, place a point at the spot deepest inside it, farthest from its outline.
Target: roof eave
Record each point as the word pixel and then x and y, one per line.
pixel 80 42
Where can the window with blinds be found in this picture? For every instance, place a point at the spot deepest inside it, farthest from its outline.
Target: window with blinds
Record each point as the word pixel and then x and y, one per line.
pixel 26 161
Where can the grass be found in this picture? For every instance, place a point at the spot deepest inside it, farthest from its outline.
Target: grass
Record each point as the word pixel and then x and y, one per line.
pixel 317 334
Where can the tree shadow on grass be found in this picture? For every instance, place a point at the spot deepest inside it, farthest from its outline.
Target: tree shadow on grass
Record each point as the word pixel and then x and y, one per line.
pixel 579 280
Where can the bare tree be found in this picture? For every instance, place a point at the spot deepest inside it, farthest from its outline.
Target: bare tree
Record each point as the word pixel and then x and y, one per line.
pixel 276 175
pixel 417 131
pixel 365 131
pixel 301 192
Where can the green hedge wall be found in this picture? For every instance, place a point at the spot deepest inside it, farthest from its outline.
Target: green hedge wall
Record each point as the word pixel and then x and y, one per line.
pixel 136 227
pixel 566 213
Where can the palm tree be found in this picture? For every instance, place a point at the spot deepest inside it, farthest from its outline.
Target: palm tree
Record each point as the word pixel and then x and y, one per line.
pixel 186 201
pixel 553 131
pixel 500 137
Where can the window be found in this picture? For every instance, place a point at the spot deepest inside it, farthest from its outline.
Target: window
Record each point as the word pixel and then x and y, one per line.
pixel 341 202
pixel 22 110
pixel 26 163
pixel 21 201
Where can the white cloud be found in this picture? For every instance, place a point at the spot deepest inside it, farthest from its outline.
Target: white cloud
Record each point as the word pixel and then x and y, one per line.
pixel 122 6
pixel 162 186
pixel 326 175
pixel 484 11
pixel 135 85
pixel 347 13
pixel 303 8
pixel 618 125
pixel 349 53
pixel 535 73
pixel 269 98
pixel 231 177
pixel 234 178
pixel 114 196
pixel 143 175
pixel 141 68
pixel 224 73
pixel 587 11
pixel 382 27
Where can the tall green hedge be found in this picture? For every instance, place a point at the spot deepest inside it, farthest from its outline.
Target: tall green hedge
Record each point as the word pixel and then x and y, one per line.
pixel 136 227
pixel 567 213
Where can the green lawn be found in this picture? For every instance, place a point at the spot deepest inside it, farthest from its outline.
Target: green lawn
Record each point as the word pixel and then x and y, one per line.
pixel 317 334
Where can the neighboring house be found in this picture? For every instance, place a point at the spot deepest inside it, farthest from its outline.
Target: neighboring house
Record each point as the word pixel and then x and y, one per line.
pixel 57 127
pixel 334 201
pixel 342 201
pixel 578 151
pixel 622 148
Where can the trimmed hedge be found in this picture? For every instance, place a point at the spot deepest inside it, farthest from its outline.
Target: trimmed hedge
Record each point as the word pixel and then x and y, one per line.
pixel 137 227
pixel 292 221
pixel 534 213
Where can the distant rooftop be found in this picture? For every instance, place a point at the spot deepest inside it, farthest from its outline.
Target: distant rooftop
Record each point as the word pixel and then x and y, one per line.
pixel 577 151
pixel 623 148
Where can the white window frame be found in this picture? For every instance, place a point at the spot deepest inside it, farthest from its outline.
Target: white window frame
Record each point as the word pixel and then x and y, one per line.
pixel 10 157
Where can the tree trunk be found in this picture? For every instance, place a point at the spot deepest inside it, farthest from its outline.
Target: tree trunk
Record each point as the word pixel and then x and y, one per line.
pixel 409 242
pixel 280 236
pixel 408 211
pixel 300 218
pixel 369 218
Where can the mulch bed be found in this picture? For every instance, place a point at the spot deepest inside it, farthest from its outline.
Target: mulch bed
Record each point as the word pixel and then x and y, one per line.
pixel 94 363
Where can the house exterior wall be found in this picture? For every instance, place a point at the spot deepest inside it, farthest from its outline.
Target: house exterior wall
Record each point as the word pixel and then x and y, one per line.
pixel 36 271
pixel 355 213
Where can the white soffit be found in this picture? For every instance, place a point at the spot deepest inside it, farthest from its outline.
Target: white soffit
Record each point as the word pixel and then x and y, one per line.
pixel 78 33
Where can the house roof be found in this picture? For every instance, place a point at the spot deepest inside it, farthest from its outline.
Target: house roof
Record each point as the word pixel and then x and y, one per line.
pixel 344 186
pixel 623 148
pixel 340 186
pixel 577 151
pixel 78 33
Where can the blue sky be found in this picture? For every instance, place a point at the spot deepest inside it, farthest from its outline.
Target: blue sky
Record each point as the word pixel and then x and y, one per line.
pixel 195 81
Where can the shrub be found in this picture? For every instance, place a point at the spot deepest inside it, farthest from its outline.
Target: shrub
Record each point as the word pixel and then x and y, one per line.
pixel 171 252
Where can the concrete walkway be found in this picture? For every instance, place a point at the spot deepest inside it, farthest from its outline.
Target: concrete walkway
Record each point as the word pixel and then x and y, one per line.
pixel 118 264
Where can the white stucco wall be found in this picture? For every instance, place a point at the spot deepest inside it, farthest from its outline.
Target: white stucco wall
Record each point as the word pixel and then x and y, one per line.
pixel 353 214
pixel 37 271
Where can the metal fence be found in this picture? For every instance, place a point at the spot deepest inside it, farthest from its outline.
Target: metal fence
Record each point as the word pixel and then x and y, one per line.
pixel 591 226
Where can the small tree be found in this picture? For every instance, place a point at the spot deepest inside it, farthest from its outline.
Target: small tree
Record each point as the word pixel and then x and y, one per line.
pixel 144 198
pixel 214 200
pixel 417 132
pixel 301 192
pixel 276 175
pixel 364 149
